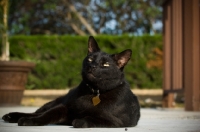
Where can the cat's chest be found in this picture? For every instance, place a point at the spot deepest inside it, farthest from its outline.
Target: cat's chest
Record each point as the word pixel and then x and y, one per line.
pixel 95 100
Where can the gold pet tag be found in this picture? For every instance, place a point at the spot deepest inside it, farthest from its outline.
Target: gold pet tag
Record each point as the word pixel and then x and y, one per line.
pixel 96 100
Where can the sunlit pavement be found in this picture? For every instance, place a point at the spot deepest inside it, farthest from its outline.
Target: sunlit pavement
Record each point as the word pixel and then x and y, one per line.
pixel 155 120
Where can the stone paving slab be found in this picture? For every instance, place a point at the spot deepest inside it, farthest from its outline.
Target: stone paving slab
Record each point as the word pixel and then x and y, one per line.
pixel 154 120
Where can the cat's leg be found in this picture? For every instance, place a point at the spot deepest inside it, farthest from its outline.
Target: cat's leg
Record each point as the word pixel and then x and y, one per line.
pixel 55 115
pixel 50 105
pixel 96 118
pixel 88 122
pixel 15 116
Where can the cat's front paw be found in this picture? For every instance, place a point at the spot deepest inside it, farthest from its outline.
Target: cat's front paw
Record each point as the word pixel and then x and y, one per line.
pixel 82 123
pixel 79 123
pixel 11 117
pixel 27 122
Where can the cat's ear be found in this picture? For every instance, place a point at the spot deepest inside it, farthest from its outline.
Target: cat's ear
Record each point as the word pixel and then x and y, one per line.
pixel 122 58
pixel 92 45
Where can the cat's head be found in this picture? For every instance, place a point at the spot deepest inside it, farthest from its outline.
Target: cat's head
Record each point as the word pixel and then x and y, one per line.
pixel 101 70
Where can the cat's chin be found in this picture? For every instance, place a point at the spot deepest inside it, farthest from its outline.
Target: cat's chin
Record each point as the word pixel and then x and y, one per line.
pixel 91 76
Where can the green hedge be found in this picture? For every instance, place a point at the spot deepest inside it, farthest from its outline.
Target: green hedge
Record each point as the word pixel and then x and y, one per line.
pixel 59 58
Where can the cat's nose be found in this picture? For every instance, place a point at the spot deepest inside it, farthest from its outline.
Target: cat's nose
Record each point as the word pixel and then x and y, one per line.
pixel 93 66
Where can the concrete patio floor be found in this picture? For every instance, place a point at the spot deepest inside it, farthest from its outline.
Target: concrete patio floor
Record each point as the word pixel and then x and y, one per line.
pixel 156 120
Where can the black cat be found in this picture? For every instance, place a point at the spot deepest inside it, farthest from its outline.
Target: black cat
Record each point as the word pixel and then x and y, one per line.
pixel 103 98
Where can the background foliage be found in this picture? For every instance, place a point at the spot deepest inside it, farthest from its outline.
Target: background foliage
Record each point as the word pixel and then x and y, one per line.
pixel 81 17
pixel 59 58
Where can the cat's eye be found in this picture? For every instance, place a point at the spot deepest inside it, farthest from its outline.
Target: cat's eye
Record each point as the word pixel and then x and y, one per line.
pixel 106 64
pixel 90 59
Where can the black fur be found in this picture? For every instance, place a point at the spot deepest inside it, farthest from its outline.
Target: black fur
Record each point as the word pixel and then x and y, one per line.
pixel 102 73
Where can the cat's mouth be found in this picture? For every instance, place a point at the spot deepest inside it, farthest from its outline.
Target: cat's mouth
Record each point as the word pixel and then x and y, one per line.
pixel 91 75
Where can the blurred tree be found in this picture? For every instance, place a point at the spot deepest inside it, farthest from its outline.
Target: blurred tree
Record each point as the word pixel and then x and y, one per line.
pixel 84 16
pixel 3 30
pixel 127 16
